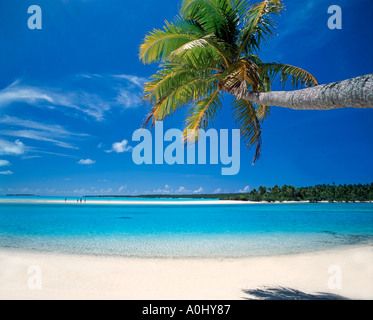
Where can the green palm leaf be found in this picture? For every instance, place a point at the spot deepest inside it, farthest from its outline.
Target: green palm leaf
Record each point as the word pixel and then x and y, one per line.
pixel 201 115
pixel 218 17
pixel 259 26
pixel 162 82
pixel 179 93
pixel 245 113
pixel 298 75
pixel 206 45
pixel 211 49
pixel 159 44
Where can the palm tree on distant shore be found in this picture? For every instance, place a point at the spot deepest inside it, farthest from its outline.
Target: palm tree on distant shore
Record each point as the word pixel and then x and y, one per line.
pixel 212 49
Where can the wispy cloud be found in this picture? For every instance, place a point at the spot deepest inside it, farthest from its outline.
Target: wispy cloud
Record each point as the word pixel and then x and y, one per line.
pixel 138 81
pixel 22 93
pixel 56 129
pixel 6 173
pixel 39 131
pixel 40 151
pixel 91 94
pixel 36 135
pixel 128 99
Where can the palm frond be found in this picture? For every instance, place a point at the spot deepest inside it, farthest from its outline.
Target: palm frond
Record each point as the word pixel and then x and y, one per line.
pixel 210 49
pixel 259 26
pixel 262 112
pixel 218 17
pixel 179 93
pixel 163 81
pixel 202 114
pixel 298 75
pixel 254 58
pixel 159 44
pixel 246 117
pixel 206 45
pixel 240 77
pixel 240 8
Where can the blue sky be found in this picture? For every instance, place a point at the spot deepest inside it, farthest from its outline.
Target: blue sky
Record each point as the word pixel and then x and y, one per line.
pixel 70 101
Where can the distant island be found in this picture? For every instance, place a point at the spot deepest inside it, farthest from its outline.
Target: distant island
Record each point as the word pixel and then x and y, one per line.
pixel 317 193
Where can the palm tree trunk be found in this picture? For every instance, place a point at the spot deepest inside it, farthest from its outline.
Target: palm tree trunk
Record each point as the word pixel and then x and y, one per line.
pixel 352 93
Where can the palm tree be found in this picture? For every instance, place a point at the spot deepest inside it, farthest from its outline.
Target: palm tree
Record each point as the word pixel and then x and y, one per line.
pixel 212 49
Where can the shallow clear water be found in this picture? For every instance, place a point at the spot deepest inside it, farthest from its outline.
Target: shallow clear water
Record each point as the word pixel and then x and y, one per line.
pixel 184 231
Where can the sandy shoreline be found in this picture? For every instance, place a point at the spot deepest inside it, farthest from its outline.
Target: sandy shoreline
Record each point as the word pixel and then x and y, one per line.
pixel 131 202
pixel 89 277
pixel 150 202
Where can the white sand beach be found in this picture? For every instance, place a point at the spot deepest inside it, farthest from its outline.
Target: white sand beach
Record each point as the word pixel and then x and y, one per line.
pixel 151 202
pixel 90 277
pixel 130 202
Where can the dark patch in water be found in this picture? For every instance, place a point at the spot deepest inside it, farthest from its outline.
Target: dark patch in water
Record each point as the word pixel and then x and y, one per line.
pixel 125 218
pixel 350 238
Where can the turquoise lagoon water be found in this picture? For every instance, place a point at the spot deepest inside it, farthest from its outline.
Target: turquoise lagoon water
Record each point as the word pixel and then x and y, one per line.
pixel 179 231
pixel 40 198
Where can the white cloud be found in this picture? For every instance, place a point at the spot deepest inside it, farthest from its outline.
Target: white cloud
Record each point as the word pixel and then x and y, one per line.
pixel 218 190
pixel 4 163
pixel 11 148
pixel 166 189
pixel 199 190
pixel 120 147
pixel 183 190
pixel 6 172
pixel 86 162
pixel 244 190
pixel 122 188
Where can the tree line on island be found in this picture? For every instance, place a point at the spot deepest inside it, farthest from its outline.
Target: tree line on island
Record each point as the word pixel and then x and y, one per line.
pixel 324 192
pixel 317 193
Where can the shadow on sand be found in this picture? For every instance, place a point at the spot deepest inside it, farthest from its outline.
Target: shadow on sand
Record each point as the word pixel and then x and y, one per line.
pixel 281 293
